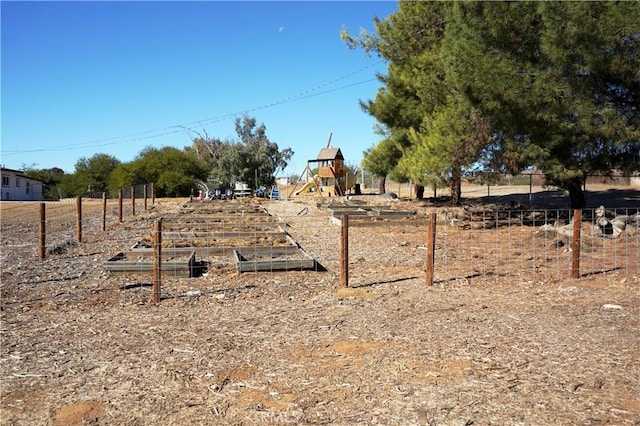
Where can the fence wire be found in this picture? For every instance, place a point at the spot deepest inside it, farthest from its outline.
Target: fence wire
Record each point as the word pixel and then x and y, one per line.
pixel 533 245
pixel 228 246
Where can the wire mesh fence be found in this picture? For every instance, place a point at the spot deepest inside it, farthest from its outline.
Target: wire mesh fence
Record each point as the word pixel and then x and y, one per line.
pixel 222 327
pixel 208 247
pixel 61 226
pixel 533 245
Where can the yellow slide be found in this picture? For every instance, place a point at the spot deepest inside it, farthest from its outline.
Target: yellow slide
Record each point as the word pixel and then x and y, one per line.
pixel 306 185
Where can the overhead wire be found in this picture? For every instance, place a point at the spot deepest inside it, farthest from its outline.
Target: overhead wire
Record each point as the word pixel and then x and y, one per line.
pixel 180 128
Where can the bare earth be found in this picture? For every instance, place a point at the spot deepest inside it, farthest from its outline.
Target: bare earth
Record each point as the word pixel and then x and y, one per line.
pixel 82 346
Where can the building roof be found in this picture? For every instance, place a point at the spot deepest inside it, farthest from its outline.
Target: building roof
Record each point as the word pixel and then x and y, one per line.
pixel 330 154
pixel 5 169
pixel 19 173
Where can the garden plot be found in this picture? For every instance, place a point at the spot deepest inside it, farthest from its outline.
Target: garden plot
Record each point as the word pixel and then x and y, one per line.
pixel 255 243
pixel 235 207
pixel 177 264
pixel 361 221
pixel 364 215
pixel 230 237
pixel 521 343
pixel 267 259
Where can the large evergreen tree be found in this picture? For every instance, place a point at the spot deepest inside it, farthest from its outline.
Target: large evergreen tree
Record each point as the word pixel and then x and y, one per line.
pixel 560 82
pixel 381 160
pixel 510 84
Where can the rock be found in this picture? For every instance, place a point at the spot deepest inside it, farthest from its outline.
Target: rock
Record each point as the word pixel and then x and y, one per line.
pixel 611 306
pixel 193 293
pixel 389 196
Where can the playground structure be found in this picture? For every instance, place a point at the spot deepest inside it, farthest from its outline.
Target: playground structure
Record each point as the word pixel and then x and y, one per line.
pixel 312 183
pixel 331 176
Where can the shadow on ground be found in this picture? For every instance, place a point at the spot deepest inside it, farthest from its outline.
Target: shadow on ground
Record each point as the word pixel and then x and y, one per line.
pixel 610 198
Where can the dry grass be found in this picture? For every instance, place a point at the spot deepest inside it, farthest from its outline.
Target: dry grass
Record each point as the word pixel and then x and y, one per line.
pixel 82 347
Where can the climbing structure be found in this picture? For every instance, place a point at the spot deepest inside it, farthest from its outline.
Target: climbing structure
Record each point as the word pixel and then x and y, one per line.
pixel 331 170
pixel 331 176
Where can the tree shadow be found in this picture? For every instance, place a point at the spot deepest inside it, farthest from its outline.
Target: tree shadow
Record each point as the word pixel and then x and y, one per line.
pixel 610 198
pixel 134 286
pixel 376 283
pixel 606 271
pixel 467 277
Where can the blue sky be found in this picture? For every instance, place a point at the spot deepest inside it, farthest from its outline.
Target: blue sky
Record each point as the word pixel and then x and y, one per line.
pixel 80 78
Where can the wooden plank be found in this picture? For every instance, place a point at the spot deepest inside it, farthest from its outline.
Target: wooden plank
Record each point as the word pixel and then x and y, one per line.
pixel 344 206
pixel 392 212
pixel 217 251
pixel 243 265
pixel 222 221
pixel 282 265
pixel 215 207
pixel 119 265
pixel 170 235
pixel 376 221
pixel 350 212
pixel 431 248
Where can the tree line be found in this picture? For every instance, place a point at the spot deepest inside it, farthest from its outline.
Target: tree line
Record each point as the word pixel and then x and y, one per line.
pixel 498 87
pixel 253 158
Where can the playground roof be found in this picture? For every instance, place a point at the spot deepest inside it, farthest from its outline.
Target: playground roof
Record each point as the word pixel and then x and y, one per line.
pixel 330 154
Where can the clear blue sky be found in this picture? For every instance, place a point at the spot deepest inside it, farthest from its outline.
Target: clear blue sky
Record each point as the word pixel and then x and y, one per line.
pixel 80 78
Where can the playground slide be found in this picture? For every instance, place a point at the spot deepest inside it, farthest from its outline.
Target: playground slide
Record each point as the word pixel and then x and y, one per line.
pixel 304 187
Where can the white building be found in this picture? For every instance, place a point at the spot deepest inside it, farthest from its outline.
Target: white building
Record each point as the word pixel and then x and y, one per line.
pixel 16 186
pixel 282 181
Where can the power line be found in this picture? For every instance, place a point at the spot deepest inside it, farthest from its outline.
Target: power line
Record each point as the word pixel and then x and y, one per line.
pixel 179 128
pixel 298 96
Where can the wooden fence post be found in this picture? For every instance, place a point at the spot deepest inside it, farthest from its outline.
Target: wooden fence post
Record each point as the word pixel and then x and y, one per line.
pixel 104 212
pixel 157 261
pixel 431 247
pixel 145 197
pixel 133 200
pixel 575 244
pixel 344 251
pixel 79 218
pixel 120 205
pixel 153 194
pixel 43 234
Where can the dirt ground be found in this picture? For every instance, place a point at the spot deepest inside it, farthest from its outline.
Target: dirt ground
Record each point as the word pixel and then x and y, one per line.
pixel 83 346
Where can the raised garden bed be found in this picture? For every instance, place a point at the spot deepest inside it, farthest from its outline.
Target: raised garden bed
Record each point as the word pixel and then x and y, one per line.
pixel 173 264
pixel 265 259
pixel 392 212
pixel 341 211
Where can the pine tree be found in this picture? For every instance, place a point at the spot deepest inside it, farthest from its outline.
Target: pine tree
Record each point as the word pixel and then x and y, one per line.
pixel 510 84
